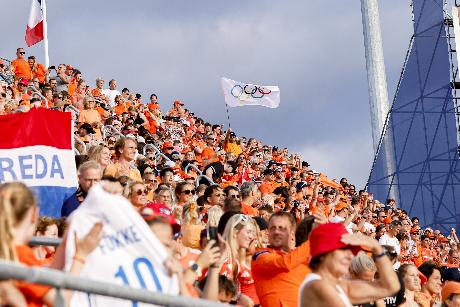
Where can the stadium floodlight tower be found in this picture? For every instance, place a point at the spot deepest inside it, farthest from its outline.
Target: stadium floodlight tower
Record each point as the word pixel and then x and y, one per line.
pixel 378 93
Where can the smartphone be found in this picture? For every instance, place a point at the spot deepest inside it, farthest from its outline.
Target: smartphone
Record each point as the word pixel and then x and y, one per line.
pixel 52 67
pixel 212 233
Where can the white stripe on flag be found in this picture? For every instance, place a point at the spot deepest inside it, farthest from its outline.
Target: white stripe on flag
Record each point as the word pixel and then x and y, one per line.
pixel 35 16
pixel 238 94
pixel 38 166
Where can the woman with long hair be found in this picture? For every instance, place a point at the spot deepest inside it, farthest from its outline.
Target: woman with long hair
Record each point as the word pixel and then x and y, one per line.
pixel 431 282
pixel 240 234
pixel 101 154
pixel 18 221
pixel 184 193
pixel 410 277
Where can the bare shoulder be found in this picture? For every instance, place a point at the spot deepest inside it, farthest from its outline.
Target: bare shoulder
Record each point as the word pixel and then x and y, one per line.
pixel 319 293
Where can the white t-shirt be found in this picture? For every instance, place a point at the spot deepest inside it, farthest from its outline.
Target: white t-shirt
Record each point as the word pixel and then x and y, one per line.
pixel 111 94
pixel 387 240
pixel 368 227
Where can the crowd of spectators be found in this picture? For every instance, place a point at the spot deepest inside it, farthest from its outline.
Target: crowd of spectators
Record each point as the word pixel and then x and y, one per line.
pixel 245 222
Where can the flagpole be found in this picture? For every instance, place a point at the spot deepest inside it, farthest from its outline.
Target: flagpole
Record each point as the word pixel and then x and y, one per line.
pixel 228 115
pixel 45 34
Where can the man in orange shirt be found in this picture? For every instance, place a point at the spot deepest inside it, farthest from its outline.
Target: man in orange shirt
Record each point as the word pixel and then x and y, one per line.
pixel 38 70
pixel 268 186
pixel 21 67
pixel 249 195
pixel 278 270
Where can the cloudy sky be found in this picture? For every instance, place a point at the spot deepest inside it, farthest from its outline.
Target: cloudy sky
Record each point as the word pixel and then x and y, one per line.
pixel 179 49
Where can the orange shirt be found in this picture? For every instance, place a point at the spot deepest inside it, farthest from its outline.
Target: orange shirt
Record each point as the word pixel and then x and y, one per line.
pixel 95 92
pixel 267 187
pixel 21 69
pixel 207 154
pixel 122 108
pixel 72 87
pixel 33 293
pixel 249 210
pixel 39 72
pixel 278 275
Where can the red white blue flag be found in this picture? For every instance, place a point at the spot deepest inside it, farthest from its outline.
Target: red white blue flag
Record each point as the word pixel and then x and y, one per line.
pixel 34 31
pixel 37 148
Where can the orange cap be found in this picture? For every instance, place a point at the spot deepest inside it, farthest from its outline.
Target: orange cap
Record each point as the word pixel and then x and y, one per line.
pixel 340 206
pixel 451 287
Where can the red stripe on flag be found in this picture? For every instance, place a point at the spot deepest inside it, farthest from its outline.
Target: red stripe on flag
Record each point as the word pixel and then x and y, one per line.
pixel 35 34
pixel 39 126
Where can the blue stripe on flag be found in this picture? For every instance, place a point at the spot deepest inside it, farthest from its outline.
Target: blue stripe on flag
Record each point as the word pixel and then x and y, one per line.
pixel 50 199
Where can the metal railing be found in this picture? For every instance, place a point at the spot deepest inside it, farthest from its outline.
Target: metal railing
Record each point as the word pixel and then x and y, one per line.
pixel 147 146
pixel 45 241
pixel 72 108
pixel 36 91
pixel 77 140
pixel 106 128
pixel 61 280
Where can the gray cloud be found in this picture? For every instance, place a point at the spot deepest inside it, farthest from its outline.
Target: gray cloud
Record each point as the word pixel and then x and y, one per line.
pixel 179 49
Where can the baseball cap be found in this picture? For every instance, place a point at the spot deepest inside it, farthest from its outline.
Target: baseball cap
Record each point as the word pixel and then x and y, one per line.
pixel 178 102
pixel 340 206
pixel 88 128
pixel 327 238
pixel 451 274
pixel 158 210
pixel 450 288
pixel 23 81
pixel 300 185
pixel 268 171
pixel 167 145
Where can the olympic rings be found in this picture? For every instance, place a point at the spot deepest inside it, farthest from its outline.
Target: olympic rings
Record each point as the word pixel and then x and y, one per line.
pixel 249 90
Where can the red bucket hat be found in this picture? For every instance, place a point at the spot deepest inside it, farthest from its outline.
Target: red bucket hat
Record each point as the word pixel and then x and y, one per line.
pixel 327 238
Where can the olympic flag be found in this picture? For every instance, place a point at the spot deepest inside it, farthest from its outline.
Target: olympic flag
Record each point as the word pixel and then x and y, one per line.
pixel 129 253
pixel 37 148
pixel 238 94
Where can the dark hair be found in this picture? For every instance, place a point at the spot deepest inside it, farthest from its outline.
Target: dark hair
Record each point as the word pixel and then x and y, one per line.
pixel 225 285
pixel 427 268
pixel 124 90
pixel 179 188
pixel 165 170
pixel 232 204
pixel 287 215
pixel 209 190
pixel 224 219
pixel 304 228
pixel 229 188
pixel 267 208
pixel 315 262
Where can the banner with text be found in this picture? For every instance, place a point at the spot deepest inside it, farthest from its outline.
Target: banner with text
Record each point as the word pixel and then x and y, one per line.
pixel 36 148
pixel 128 254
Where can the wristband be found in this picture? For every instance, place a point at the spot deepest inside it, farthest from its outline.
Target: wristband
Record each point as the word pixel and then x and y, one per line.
pixel 375 257
pixel 79 259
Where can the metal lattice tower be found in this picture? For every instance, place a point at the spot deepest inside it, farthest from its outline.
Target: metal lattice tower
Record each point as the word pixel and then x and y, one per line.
pixel 422 127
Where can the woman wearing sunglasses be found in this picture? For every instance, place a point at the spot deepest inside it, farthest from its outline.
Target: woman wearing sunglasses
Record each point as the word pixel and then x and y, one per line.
pixel 136 193
pixel 185 193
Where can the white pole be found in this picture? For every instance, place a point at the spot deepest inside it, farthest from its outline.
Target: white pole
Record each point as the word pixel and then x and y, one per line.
pixel 378 93
pixel 45 33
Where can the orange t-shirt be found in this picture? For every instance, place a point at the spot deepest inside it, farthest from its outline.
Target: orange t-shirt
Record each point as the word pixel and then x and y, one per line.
pixel 21 69
pixel 267 187
pixel 39 72
pixel 122 108
pixel 33 293
pixel 278 275
pixel 249 210
pixel 207 154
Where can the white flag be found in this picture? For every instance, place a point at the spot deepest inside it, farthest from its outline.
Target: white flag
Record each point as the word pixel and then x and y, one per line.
pixel 239 94
pixel 128 254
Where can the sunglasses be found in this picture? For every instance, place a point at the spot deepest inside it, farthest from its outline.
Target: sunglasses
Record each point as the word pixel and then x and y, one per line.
pixel 234 196
pixel 140 192
pixel 22 52
pixel 188 192
pixel 60 97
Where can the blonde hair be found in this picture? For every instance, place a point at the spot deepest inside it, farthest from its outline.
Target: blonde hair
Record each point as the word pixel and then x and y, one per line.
pixel 94 152
pixel 190 213
pixel 233 226
pixel 15 201
pixel 214 214
pixel 129 188
pixel 362 263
